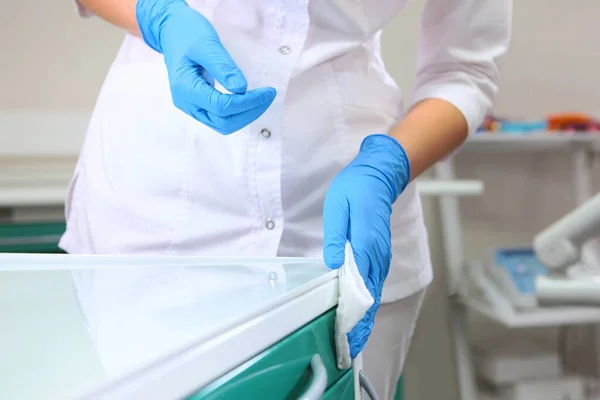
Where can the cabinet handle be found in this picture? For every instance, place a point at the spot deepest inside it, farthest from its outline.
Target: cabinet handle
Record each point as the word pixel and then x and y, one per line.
pixel 367 386
pixel 318 383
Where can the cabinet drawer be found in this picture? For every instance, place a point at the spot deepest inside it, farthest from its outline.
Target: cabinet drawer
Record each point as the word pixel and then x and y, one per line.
pixel 283 371
pixel 31 237
pixel 343 389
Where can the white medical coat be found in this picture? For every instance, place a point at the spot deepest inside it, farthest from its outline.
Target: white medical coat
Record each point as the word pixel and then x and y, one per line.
pixel 152 180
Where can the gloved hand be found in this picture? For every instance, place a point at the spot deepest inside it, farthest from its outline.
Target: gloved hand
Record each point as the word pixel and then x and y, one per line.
pixel 195 57
pixel 357 208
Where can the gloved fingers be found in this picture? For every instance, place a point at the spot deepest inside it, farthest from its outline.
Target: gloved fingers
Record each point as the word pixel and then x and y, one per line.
pixel 370 237
pixel 211 55
pixel 362 238
pixel 190 89
pixel 373 263
pixel 336 218
pixel 222 105
pixel 362 257
pixel 231 123
pixel 359 335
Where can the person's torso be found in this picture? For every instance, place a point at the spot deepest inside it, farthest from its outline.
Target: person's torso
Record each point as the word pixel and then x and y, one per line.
pixel 314 31
pixel 150 179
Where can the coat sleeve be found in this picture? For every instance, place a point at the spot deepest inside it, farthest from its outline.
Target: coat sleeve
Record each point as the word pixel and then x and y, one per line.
pixel 82 10
pixel 460 41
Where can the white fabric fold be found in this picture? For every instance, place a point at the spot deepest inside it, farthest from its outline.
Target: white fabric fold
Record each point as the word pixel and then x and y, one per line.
pixel 354 301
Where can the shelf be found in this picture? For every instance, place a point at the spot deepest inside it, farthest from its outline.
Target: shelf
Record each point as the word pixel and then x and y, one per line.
pixel 438 187
pixel 541 317
pixel 532 142
pixel 32 196
pixel 49 133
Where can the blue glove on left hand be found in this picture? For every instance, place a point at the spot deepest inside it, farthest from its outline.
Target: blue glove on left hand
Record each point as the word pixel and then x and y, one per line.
pixel 357 208
pixel 195 57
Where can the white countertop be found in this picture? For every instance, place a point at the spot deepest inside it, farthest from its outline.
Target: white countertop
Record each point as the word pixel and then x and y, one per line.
pixel 186 320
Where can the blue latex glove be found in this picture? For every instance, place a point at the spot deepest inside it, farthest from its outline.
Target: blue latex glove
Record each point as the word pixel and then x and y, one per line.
pixel 357 208
pixel 195 57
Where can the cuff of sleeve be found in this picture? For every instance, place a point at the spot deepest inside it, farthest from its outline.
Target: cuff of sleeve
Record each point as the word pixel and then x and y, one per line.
pixel 469 100
pixel 82 10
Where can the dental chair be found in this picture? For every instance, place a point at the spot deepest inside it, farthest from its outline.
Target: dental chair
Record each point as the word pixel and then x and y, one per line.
pixel 570 250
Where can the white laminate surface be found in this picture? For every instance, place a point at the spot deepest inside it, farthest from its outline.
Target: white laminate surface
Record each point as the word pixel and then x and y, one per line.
pixel 143 317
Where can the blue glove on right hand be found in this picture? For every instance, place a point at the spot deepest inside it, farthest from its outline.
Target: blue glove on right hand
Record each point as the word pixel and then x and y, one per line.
pixel 358 208
pixel 195 57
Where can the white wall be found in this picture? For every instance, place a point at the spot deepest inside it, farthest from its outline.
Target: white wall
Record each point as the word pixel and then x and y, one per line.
pixel 51 60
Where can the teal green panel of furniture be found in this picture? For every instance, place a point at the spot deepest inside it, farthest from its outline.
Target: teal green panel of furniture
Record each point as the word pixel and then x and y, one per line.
pixel 283 371
pixel 399 389
pixel 31 237
pixel 343 389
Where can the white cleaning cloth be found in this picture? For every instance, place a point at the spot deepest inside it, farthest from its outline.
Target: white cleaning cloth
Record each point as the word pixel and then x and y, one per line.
pixel 354 301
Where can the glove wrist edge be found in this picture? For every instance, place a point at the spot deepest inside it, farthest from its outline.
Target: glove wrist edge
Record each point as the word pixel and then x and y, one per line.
pixel 390 158
pixel 151 15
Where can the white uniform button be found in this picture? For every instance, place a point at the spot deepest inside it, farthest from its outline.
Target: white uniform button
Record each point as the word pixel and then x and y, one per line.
pixel 272 276
pixel 272 279
pixel 265 133
pixel 285 50
pixel 270 224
